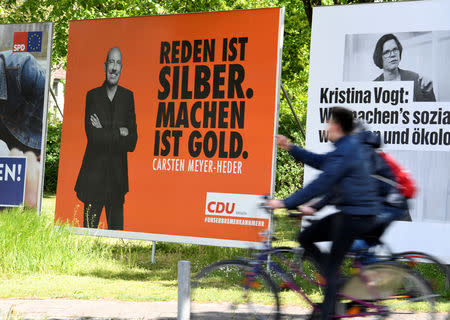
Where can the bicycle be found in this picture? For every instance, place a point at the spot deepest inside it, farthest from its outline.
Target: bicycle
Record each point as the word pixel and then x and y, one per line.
pixel 408 260
pixel 251 293
pixel 413 259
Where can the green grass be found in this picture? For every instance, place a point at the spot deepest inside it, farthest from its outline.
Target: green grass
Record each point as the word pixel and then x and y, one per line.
pixel 39 260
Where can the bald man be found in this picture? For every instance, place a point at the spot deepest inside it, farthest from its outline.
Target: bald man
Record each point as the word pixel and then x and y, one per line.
pixel 110 124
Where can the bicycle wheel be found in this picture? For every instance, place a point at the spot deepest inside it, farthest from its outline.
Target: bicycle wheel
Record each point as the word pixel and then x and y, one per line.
pixel 400 289
pixel 230 289
pixel 301 269
pixel 420 261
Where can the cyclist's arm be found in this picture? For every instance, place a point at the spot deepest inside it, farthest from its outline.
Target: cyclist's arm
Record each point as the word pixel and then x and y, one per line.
pixel 324 201
pixel 312 159
pixel 333 170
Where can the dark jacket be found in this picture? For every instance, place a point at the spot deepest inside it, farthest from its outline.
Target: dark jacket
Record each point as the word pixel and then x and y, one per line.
pixel 104 172
pixel 380 173
pixel 419 94
pixel 346 169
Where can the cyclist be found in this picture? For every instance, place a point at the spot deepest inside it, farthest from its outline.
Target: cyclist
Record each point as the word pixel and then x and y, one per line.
pixel 346 169
pixel 394 205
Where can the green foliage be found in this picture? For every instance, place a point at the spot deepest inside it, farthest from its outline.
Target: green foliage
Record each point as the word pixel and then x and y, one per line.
pixel 30 243
pixel 289 175
pixel 52 156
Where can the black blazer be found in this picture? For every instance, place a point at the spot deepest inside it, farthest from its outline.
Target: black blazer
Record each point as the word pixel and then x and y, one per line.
pixel 419 94
pixel 105 165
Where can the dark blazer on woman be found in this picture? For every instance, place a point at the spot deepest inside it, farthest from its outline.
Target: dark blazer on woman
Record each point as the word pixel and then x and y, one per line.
pixel 419 94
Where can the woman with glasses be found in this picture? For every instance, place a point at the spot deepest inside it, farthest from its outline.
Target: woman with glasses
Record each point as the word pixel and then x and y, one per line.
pixel 387 56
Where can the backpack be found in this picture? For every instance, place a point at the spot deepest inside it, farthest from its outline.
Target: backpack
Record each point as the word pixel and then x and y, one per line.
pixel 404 183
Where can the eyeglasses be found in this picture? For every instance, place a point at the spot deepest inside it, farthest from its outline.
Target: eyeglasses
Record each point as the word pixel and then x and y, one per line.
pixel 388 53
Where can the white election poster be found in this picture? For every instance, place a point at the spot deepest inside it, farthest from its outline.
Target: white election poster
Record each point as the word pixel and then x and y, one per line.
pixel 390 64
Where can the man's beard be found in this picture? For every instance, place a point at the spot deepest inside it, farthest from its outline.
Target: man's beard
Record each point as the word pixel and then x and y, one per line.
pixel 112 82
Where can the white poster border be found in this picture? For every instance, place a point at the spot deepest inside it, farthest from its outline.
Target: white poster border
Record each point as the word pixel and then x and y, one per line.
pixel 166 238
pixel 45 115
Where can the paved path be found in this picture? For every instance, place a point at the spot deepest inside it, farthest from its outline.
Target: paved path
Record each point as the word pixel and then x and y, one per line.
pixel 82 309
pixel 56 309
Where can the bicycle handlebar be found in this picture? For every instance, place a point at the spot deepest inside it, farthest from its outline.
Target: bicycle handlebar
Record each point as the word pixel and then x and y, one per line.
pixel 296 214
pixel 292 214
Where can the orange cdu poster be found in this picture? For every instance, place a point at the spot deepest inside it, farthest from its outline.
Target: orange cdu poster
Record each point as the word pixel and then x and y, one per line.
pixel 169 126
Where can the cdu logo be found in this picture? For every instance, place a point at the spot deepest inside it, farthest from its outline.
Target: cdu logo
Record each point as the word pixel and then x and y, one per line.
pixel 221 207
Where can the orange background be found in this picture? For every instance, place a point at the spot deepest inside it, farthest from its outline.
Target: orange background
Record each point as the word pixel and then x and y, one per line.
pixel 169 202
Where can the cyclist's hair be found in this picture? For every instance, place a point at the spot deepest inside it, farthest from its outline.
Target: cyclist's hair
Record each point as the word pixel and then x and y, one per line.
pixel 344 118
pixel 378 52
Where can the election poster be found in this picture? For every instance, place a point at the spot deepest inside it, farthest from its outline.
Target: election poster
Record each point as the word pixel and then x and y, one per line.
pixel 25 61
pixel 169 124
pixel 389 63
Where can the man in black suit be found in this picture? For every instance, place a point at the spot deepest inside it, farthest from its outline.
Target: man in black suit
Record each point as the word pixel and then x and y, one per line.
pixel 110 125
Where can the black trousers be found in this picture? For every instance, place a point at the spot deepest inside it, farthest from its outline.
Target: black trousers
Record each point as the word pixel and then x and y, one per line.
pixel 342 229
pixel 114 215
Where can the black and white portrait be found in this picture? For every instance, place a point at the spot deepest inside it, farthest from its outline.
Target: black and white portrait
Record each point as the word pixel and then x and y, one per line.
pixel 110 126
pixel 420 57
